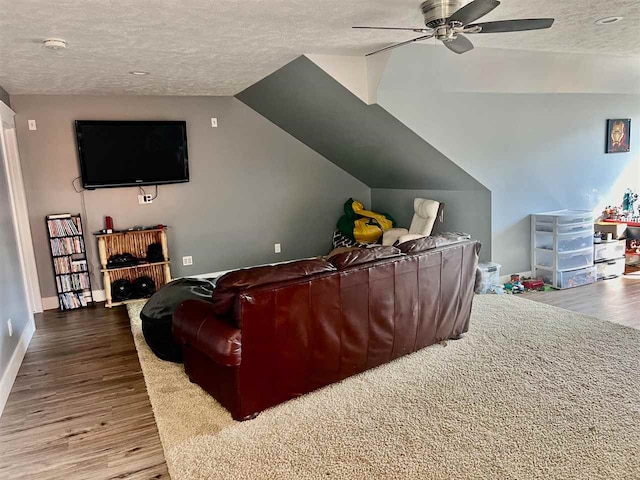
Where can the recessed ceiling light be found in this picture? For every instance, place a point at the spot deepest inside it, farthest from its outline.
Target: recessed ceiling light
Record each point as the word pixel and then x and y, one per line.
pixel 139 73
pixel 609 20
pixel 55 43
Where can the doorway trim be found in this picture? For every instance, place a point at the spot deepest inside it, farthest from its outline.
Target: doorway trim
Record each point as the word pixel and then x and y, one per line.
pixel 18 199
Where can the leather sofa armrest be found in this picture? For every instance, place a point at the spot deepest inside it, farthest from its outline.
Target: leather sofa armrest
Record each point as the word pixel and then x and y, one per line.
pixel 390 236
pixel 410 236
pixel 195 324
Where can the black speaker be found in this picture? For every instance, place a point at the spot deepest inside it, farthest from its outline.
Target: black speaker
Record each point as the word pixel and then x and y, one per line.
pixel 121 290
pixel 154 253
pixel 144 287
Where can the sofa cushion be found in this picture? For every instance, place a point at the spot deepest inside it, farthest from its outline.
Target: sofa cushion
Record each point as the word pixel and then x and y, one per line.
pixel 338 250
pixel 418 245
pixel 358 256
pixel 230 284
pixel 433 241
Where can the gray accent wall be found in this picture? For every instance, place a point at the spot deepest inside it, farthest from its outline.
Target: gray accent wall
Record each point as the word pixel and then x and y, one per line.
pixel 252 184
pixel 466 211
pixel 364 140
pixel 372 145
pixel 4 97
pixel 526 126
pixel 13 300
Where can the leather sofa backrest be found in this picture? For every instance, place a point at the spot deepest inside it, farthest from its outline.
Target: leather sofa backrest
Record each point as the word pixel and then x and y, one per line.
pixel 359 256
pixel 229 285
pixel 303 334
pixel 418 245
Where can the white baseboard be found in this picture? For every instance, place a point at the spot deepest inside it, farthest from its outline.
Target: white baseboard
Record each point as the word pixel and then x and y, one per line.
pixel 10 374
pixel 51 303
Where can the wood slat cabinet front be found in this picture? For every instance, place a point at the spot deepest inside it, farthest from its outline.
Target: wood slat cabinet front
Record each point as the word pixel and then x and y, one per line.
pixel 135 242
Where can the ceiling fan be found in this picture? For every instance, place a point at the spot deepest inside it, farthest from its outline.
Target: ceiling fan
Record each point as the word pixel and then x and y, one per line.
pixel 447 20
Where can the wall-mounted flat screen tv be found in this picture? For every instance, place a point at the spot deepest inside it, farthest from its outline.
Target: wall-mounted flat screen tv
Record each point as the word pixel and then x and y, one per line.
pixel 132 153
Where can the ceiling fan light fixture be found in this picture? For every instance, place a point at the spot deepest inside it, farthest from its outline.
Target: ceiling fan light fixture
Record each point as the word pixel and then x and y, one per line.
pixel 608 21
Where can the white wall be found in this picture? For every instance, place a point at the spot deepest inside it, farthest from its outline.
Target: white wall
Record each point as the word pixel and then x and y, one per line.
pixel 529 126
pixel 360 75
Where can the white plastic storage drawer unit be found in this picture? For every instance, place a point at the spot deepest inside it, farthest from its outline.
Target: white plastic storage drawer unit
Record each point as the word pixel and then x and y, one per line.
pixel 562 244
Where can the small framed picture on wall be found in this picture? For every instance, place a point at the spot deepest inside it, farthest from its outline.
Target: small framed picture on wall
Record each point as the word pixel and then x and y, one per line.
pixel 618 135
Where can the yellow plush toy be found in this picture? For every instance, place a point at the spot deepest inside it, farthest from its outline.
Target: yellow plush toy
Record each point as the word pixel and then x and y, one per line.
pixel 362 225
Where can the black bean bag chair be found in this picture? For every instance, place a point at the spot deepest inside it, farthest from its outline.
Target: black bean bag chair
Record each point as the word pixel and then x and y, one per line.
pixel 157 314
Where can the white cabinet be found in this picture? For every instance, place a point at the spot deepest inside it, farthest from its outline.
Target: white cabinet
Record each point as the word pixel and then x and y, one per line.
pixel 609 258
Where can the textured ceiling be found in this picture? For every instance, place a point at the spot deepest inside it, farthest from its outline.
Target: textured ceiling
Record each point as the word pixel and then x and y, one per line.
pixel 220 47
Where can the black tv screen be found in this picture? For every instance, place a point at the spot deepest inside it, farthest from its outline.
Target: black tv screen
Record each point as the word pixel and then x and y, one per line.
pixel 131 153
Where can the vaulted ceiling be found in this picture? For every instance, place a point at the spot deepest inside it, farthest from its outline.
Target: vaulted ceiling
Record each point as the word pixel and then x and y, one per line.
pixel 207 47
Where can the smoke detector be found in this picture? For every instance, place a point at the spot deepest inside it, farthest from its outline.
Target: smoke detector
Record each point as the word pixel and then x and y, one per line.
pixel 55 43
pixel 609 20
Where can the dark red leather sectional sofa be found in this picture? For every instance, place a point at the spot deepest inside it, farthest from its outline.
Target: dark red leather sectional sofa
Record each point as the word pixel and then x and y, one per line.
pixel 271 334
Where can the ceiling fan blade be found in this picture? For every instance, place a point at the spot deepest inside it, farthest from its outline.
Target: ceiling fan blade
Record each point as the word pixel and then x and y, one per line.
pixel 396 45
pixel 417 30
pixel 473 11
pixel 459 45
pixel 513 25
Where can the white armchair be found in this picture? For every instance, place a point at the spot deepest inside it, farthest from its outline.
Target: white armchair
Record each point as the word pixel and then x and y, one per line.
pixel 426 214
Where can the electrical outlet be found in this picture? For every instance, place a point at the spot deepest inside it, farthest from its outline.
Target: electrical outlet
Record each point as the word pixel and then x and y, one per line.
pixel 214 122
pixel 32 125
pixel 145 199
pixel 186 261
pixel 277 248
pixel 10 327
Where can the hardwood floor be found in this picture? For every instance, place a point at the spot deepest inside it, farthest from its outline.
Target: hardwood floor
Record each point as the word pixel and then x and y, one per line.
pixel 616 300
pixel 79 408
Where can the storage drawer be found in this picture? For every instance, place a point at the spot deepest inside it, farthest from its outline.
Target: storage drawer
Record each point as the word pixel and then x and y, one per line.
pixel 576 278
pixel 609 250
pixel 562 229
pixel 565 261
pixel 610 269
pixel 577 218
pixel 569 242
pixel 572 242
pixel 568 279
pixel 576 228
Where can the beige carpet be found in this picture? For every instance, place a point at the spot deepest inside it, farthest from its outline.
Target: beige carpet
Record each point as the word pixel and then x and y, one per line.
pixel 532 392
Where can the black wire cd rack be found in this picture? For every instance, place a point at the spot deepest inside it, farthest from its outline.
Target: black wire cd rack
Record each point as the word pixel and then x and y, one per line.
pixel 69 261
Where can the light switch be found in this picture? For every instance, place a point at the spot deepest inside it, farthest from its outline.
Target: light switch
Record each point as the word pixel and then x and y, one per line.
pixel 32 125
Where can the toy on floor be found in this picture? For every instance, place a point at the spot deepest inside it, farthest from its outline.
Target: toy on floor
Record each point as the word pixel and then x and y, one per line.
pixel 533 284
pixel 514 286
